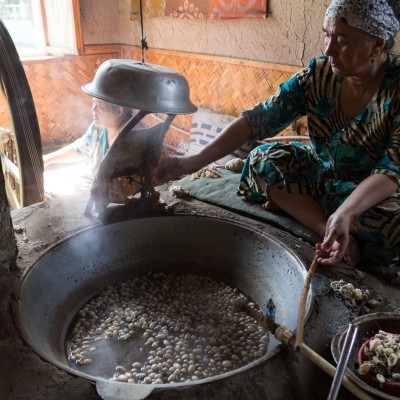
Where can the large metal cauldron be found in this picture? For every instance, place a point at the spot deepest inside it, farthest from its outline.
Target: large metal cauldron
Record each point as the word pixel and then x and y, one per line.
pixel 75 270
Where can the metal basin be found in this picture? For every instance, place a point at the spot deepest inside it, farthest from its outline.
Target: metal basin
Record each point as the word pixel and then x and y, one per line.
pixel 368 326
pixel 78 268
pixel 147 87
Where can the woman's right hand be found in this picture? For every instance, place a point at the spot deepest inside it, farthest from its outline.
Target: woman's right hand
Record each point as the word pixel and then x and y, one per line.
pixel 175 168
pixel 336 240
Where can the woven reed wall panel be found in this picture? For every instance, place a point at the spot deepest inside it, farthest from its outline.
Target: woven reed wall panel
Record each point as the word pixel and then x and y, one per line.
pixel 226 86
pixel 223 85
pixel 63 109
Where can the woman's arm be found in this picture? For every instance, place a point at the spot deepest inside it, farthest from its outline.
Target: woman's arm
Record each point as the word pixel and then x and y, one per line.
pixel 66 154
pixel 265 119
pixel 231 138
pixel 370 192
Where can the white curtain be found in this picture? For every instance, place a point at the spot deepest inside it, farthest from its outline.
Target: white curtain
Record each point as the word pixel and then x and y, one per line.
pixel 60 27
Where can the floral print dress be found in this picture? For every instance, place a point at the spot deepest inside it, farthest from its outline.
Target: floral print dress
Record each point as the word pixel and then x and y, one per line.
pixel 93 146
pixel 343 151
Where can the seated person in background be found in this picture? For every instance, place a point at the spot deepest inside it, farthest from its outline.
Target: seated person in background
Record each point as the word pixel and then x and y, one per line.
pixel 345 186
pixel 108 120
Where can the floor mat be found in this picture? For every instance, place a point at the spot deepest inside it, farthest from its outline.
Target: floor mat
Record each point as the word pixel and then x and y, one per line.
pixel 222 191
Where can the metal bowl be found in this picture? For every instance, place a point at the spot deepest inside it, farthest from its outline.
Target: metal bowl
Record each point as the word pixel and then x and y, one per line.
pixel 368 325
pixel 141 86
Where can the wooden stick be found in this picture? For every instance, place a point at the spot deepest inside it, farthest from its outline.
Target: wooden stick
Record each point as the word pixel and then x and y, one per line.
pixel 330 370
pixel 286 336
pixel 302 307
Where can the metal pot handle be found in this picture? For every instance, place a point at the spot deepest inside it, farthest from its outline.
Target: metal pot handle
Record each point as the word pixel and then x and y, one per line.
pixel 109 390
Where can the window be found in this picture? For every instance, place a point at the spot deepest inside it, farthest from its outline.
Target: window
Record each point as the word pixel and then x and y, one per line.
pixel 42 27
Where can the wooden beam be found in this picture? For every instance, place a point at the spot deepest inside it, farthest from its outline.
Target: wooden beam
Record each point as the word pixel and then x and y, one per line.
pixel 44 22
pixel 77 26
pixel 101 49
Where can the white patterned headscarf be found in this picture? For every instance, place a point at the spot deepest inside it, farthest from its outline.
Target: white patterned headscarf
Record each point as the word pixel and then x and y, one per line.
pixel 379 18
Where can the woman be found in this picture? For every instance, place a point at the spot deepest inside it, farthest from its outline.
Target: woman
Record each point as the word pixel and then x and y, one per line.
pixel 345 187
pixel 108 120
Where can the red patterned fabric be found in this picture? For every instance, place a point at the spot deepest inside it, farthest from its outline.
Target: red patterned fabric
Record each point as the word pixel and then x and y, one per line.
pixel 187 9
pixel 225 9
pixel 215 9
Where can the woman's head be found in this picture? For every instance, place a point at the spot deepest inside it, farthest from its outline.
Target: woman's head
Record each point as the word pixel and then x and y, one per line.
pixel 377 18
pixel 109 115
pixel 356 33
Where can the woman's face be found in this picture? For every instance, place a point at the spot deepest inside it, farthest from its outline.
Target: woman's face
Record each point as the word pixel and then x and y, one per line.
pixel 349 50
pixel 104 114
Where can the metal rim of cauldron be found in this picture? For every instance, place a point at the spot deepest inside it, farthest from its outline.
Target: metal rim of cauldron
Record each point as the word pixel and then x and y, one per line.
pixel 140 388
pixel 337 344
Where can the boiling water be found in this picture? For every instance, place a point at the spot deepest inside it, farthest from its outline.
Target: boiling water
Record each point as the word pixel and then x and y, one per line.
pixel 165 328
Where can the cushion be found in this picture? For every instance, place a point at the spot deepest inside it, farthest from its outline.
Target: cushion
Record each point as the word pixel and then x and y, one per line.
pixel 206 126
pixel 223 192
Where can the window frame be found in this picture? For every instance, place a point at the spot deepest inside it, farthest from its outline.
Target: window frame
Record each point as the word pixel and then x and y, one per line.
pixel 43 48
pixel 77 31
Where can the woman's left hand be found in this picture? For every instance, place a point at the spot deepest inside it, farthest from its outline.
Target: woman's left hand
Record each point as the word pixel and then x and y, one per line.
pixel 336 240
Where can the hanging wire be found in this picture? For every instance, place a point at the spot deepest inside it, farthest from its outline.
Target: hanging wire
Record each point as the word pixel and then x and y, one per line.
pixel 143 41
